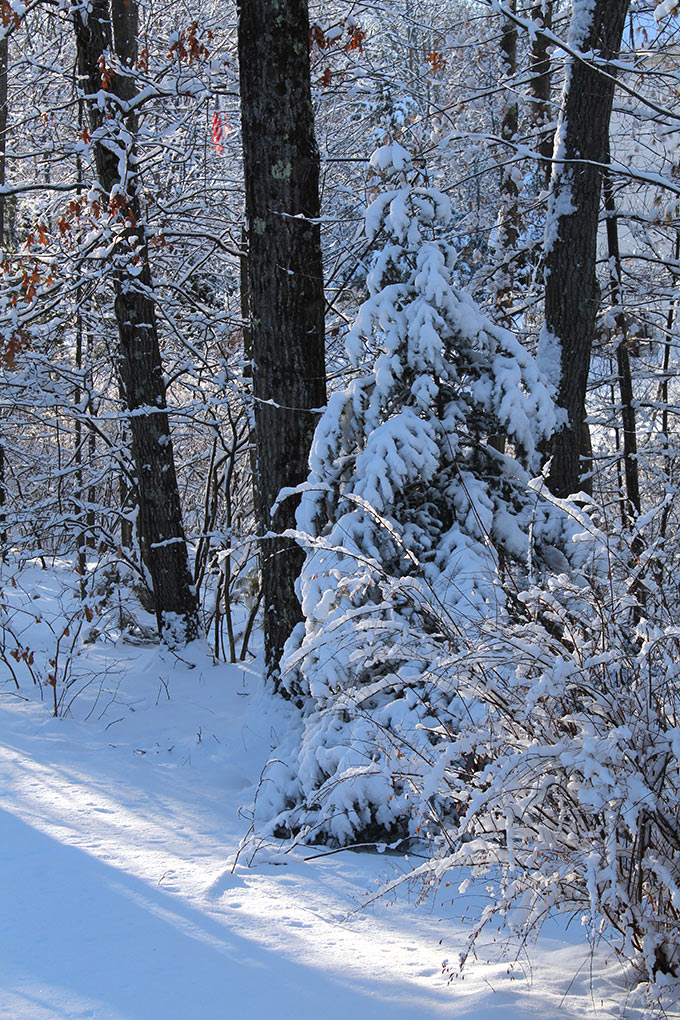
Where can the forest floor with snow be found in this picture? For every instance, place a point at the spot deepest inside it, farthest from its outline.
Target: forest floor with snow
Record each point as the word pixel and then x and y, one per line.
pixel 124 895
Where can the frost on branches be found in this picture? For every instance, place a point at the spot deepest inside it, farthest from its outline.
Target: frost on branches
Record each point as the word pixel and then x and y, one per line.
pixel 565 787
pixel 411 519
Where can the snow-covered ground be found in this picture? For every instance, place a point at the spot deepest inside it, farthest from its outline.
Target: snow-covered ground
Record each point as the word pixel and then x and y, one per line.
pixel 120 825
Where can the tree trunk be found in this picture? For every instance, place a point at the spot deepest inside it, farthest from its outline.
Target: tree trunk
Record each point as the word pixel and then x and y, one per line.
pixel 668 454
pixel 141 374
pixel 539 86
pixel 281 165
pixel 633 503
pixel 507 228
pixel 571 290
pixel 3 147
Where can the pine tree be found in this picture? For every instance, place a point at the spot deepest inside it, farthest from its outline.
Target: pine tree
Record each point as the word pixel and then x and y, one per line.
pixel 410 517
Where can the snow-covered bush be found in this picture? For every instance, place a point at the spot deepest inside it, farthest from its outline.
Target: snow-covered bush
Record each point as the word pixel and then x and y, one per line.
pixel 565 786
pixel 411 518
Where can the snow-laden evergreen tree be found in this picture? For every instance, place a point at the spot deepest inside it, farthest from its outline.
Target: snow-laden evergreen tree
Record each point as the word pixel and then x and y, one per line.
pixel 412 520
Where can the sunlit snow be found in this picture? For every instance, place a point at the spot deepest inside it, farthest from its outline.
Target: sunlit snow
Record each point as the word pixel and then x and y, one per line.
pixel 122 894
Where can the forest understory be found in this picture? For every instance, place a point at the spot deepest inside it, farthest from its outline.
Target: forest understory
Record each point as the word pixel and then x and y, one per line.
pixel 339 508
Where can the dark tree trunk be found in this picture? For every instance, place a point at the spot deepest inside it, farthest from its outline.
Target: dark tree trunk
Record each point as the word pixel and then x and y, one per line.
pixel 3 146
pixel 669 457
pixel 141 374
pixel 281 165
pixel 632 503
pixel 540 85
pixel 507 231
pixel 571 291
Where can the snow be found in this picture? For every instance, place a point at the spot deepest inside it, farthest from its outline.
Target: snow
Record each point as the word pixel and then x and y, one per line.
pixel 665 7
pixel 550 356
pixel 124 895
pixel 582 12
pixel 392 156
pixel 402 529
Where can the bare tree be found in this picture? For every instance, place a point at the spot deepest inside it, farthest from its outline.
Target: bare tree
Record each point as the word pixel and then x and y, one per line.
pixel 3 149
pixel 106 42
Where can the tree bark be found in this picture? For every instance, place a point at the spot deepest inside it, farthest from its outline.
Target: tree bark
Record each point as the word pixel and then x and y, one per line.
pixel 285 277
pixel 507 227
pixel 3 162
pixel 540 85
pixel 572 294
pixel 633 503
pixel 99 32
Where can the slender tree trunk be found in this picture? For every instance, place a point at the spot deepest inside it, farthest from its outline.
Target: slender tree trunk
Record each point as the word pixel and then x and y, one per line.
pixel 81 558
pixel 281 164
pixel 507 228
pixel 668 458
pixel 540 86
pixel 572 294
pixel 625 378
pixel 98 34
pixel 3 146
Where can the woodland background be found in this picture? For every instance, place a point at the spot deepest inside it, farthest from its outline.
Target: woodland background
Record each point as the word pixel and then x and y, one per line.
pixel 184 258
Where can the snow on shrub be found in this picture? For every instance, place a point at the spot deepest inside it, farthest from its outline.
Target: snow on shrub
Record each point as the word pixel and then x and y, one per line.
pixel 565 787
pixel 410 518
